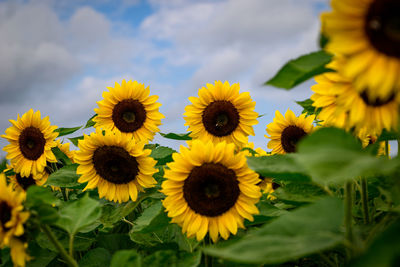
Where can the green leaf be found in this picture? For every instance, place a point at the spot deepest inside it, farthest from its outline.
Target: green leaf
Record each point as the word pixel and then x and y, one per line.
pixel 3 165
pixel 177 136
pixel 75 140
pixel 267 212
pixel 387 136
pixel 114 242
pixel 338 160
pixel 152 219
pixel 323 40
pixel 82 242
pixel 65 177
pixel 308 107
pixel 300 192
pixel 97 257
pixel 162 154
pixel 301 69
pixel 384 251
pixel 280 167
pixel 40 202
pixel 305 231
pixel 76 216
pixel 66 131
pixel 126 258
pixel 61 156
pixel 41 257
pixel 90 122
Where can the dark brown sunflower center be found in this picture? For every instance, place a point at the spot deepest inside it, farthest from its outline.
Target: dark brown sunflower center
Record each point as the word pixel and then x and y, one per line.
pixel 211 189
pixel 31 143
pixel 377 102
pixel 5 213
pixel 383 26
pixel 129 115
pixel 25 182
pixel 291 135
pixel 220 118
pixel 115 165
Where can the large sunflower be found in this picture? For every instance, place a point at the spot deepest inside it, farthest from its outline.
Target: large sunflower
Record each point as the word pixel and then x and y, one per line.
pixel 286 132
pixel 210 189
pixel 31 139
pixel 130 110
pixel 367 32
pixel 116 165
pixel 12 216
pixel 221 113
pixel 346 107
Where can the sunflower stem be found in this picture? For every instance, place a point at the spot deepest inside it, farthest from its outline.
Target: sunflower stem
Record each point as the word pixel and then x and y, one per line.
pixel 71 245
pixel 64 194
pixel 364 199
pixel 50 235
pixel 387 148
pixel 348 215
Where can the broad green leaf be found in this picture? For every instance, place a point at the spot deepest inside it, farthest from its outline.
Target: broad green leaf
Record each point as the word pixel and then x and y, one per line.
pixel 127 258
pixel 76 216
pixel 41 257
pixel 307 230
pixel 61 157
pixel 189 259
pixel 184 243
pixel 300 192
pixel 40 202
pixel 90 122
pixel 66 131
pixel 97 257
pixel 82 242
pixel 387 136
pixel 114 242
pixel 161 258
pixel 308 107
pixel 152 219
pixel 162 154
pixel 64 177
pixel 177 136
pixel 74 140
pixel 279 167
pixel 267 212
pixel 339 159
pixel 384 251
pixel 300 69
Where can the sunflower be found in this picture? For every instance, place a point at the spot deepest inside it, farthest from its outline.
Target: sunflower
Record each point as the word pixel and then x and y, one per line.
pixel 116 165
pixel 130 110
pixel 346 107
pixel 22 183
pixel 18 252
pixel 286 132
pixel 210 189
pixel 221 113
pixel 368 138
pixel 367 33
pixel 12 217
pixel 31 139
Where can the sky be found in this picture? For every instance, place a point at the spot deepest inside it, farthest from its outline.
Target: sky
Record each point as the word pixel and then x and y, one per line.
pixel 58 56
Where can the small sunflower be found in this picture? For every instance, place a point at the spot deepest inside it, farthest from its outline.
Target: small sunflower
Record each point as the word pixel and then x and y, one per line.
pixel 221 113
pixel 130 110
pixel 368 138
pixel 22 183
pixel 286 132
pixel 31 139
pixel 367 33
pixel 210 189
pixel 12 216
pixel 116 165
pixel 346 107
pixel 18 252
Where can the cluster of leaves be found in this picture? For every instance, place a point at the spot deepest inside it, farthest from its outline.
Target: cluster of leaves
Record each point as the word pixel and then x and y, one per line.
pixel 313 221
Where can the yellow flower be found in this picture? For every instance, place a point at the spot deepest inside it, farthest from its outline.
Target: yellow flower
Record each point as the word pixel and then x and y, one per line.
pixel 12 216
pixel 22 183
pixel 129 110
pixel 368 138
pixel 116 165
pixel 18 252
pixel 31 139
pixel 367 33
pixel 286 132
pixel 345 107
pixel 221 113
pixel 209 188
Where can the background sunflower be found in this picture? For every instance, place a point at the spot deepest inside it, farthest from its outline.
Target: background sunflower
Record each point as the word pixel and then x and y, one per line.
pixel 130 110
pixel 31 139
pixel 118 167
pixel 210 189
pixel 221 113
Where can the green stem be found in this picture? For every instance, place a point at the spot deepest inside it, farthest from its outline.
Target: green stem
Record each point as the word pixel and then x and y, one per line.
pixel 364 199
pixel 64 194
pixel 387 148
pixel 71 245
pixel 348 214
pixel 69 260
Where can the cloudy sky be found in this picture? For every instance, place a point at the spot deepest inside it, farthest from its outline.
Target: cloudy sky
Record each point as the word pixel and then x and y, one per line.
pixel 57 56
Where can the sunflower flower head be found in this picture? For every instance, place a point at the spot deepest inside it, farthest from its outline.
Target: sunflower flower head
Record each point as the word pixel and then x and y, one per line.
pixel 130 110
pixel 221 113
pixel 31 139
pixel 367 33
pixel 286 131
pixel 114 164
pixel 210 189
